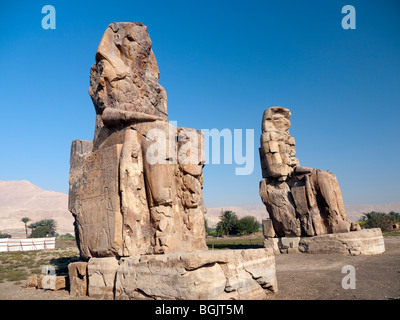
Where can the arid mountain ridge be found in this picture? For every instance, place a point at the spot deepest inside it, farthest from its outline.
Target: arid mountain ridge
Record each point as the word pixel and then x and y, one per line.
pixel 20 199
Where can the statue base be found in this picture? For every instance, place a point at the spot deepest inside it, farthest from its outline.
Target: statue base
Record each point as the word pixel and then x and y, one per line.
pixel 365 242
pixel 201 275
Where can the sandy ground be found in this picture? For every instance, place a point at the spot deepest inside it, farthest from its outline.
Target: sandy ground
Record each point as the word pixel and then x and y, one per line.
pixel 319 276
pixel 300 276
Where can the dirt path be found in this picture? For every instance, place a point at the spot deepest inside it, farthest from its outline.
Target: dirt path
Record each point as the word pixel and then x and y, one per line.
pixel 11 291
pixel 300 276
pixel 319 276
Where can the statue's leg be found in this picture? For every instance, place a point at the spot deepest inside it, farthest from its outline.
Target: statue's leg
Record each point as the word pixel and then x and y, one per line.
pixel 160 167
pixel 329 189
pixel 137 227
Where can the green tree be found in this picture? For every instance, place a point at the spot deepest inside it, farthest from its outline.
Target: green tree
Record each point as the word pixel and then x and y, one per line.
pixel 227 223
pixel 377 220
pixel 43 228
pixel 40 232
pixel 25 220
pixel 4 235
pixel 247 225
pixel 395 218
pixel 67 235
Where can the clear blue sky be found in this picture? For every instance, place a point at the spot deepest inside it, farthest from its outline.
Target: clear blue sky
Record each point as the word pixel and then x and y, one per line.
pixel 222 63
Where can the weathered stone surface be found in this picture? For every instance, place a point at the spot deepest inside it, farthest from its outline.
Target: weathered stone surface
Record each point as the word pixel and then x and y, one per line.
pixel 78 280
pixel 137 188
pixel 279 203
pixel 125 77
pixel 32 281
pixel 40 278
pixel 137 230
pixel 60 283
pixel 366 242
pixel 48 282
pixel 101 277
pixel 283 245
pixel 268 228
pixel 277 150
pixel 300 201
pixel 230 274
pixel 318 201
pixel 95 203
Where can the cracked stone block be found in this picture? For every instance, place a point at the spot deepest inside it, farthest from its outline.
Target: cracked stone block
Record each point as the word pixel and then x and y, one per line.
pixel 365 242
pixel 202 275
pixel 101 277
pixel 77 274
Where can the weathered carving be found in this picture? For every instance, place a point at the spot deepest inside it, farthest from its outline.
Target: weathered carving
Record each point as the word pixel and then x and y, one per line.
pixel 301 201
pixel 137 189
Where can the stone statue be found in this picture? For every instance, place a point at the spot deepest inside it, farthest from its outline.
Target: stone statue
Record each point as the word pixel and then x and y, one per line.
pixel 301 201
pixel 137 188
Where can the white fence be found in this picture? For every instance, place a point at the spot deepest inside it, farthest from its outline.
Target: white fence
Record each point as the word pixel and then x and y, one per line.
pixel 26 244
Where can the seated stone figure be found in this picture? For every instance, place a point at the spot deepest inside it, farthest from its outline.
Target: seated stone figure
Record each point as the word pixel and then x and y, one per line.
pixel 300 201
pixel 137 188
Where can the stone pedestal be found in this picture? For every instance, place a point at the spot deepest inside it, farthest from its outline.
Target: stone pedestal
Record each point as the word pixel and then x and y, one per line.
pixel 366 242
pixel 223 274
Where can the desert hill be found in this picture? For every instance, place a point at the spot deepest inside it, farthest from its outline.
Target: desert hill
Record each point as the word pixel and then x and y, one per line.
pixel 20 199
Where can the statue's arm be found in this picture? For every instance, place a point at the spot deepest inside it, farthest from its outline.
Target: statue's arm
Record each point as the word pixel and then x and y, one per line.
pixel 113 116
pixel 302 170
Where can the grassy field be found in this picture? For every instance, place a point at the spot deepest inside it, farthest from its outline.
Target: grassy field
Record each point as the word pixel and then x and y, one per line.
pixel 17 266
pixel 234 243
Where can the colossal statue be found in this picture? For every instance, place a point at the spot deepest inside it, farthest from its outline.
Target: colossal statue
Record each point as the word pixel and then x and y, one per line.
pixel 137 188
pixel 301 201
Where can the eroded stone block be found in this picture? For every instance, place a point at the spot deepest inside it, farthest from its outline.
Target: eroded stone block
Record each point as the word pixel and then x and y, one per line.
pixel 231 274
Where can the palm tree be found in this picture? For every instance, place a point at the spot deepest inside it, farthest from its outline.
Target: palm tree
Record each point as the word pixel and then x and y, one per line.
pixel 377 220
pixel 43 228
pixel 227 223
pixel 26 220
